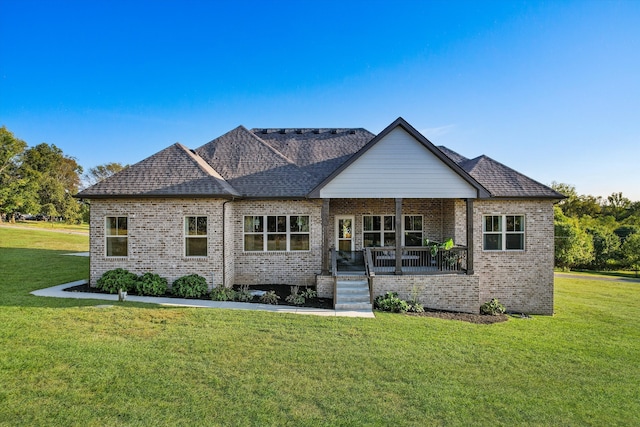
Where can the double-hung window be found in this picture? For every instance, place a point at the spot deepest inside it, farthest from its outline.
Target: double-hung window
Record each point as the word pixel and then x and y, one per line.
pixel 503 232
pixel 270 233
pixel 413 230
pixel 380 230
pixel 195 236
pixel 117 236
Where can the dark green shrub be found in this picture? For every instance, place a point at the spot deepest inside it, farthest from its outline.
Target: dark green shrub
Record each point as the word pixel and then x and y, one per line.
pixel 220 293
pixel 113 280
pixel 151 284
pixel 191 286
pixel 390 302
pixel 492 308
pixel 269 297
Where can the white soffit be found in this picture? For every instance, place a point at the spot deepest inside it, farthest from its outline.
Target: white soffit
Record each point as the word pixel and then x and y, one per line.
pixel 398 166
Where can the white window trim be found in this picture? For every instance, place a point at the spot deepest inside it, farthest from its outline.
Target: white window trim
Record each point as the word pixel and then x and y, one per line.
pixel 265 234
pixel 187 236
pixel 402 240
pixel 503 233
pixel 107 236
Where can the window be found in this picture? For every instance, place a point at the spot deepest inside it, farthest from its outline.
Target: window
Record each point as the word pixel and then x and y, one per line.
pixel 195 236
pixel 503 232
pixel 116 236
pixel 380 230
pixel 276 233
pixel 413 230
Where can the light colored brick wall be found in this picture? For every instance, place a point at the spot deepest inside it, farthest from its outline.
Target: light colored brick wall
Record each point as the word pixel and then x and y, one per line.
pixel 451 292
pixel 521 280
pixel 156 237
pixel 289 268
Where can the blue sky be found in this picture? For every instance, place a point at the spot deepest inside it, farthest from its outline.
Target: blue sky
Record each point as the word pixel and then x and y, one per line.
pixel 551 89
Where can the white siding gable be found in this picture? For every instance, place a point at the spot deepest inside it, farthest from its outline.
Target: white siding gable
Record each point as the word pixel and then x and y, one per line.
pixel 398 166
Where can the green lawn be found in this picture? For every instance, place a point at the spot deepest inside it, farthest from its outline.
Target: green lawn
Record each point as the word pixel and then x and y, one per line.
pixel 67 362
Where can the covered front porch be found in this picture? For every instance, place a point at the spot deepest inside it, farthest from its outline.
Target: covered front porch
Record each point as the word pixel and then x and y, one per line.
pixel 397 236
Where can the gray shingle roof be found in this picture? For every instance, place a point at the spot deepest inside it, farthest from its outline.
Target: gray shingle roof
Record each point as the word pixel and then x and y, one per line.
pixel 174 171
pixel 286 163
pixel 502 181
pixel 280 162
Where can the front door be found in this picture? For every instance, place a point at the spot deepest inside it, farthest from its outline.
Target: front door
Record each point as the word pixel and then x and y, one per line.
pixel 344 233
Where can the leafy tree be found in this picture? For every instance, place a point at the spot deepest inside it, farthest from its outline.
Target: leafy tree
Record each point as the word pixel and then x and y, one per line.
pixel 573 245
pixel 631 252
pixel 56 176
pixel 618 206
pixel 100 172
pixel 12 185
pixel 606 247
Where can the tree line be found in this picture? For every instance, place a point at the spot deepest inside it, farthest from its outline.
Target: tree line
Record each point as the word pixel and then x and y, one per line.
pixel 42 180
pixel 595 233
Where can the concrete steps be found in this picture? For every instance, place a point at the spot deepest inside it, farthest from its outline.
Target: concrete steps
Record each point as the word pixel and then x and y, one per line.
pixel 352 293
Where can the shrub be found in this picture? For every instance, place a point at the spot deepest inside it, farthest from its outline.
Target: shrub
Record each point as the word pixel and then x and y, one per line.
pixel 191 286
pixel 295 298
pixel 492 308
pixel 221 293
pixel 151 284
pixel 244 295
pixel 269 297
pixel 113 280
pixel 390 302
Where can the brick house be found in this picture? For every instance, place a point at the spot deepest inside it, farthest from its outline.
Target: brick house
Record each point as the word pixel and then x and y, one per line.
pixel 349 212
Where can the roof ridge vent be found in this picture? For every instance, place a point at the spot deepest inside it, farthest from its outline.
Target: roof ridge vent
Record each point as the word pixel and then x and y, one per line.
pixel 352 132
pixel 283 131
pixel 316 131
pixel 299 131
pixel 334 131
pixel 265 131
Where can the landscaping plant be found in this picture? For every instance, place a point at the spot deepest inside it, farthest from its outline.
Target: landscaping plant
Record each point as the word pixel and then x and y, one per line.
pixel 191 286
pixel 151 284
pixel 114 280
pixel 492 308
pixel 222 293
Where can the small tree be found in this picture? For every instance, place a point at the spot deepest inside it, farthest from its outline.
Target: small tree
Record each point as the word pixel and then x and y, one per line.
pixel 631 252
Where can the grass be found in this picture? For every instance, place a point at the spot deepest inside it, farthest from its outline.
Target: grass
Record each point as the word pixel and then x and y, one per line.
pixel 46 225
pixel 69 362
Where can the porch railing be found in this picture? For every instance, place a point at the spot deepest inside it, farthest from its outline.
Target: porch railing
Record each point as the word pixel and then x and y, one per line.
pixel 419 260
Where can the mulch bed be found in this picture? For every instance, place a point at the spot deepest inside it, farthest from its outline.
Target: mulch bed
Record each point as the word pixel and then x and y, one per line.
pixel 284 290
pixel 480 319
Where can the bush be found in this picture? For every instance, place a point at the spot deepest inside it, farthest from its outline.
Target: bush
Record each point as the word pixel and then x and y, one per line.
pixel 221 293
pixel 113 280
pixel 191 286
pixel 298 297
pixel 390 302
pixel 151 284
pixel 492 308
pixel 244 295
pixel 269 297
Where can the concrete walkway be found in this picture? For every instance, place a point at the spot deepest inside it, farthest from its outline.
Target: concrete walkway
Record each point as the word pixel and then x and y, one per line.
pixel 58 292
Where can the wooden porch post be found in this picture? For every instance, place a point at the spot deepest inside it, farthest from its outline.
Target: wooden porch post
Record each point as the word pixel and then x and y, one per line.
pixel 470 242
pixel 326 239
pixel 398 236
